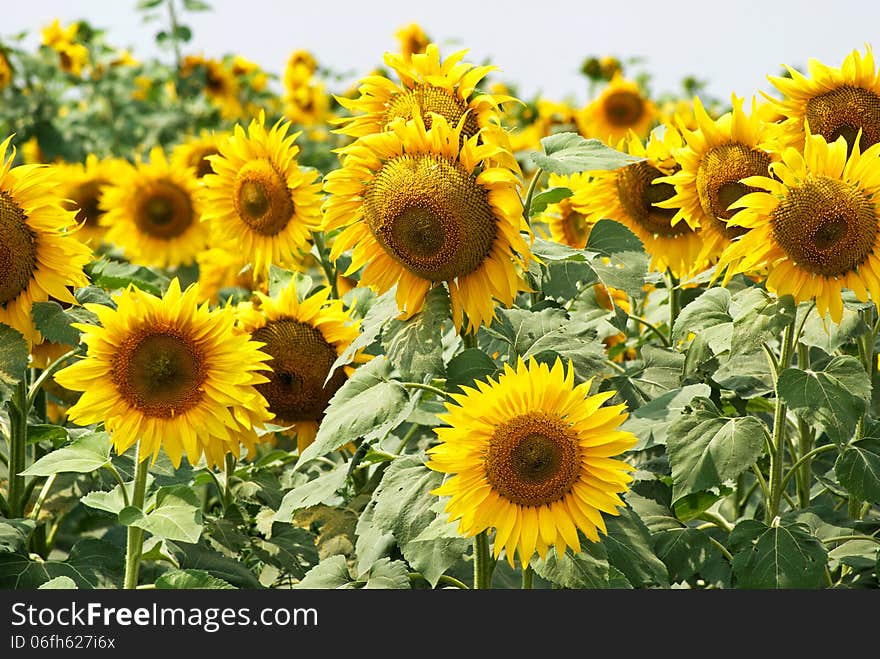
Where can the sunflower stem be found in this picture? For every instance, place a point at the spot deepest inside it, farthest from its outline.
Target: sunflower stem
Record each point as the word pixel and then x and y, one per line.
pixel 227 489
pixel 527 204
pixel 806 439
pixel 482 568
pixel 135 539
pixel 175 40
pixel 527 574
pixel 427 387
pixel 18 413
pixel 674 300
pixel 777 456
pixel 49 371
pixel 330 271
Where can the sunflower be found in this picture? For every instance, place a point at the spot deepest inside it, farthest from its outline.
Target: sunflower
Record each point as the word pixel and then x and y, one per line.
pixel 413 40
pixel 303 339
pixel 81 186
pixel 259 200
pixel 194 152
pixel 40 256
pixel 567 226
pixel 814 226
pixel 152 212
pixel 307 104
pixel 630 195
pixel 220 85
pixel 427 86
pixel 420 210
pixel 532 456
pixel 620 108
pixel 300 67
pixel 171 374
pixel 834 102
pixel 220 268
pixel 5 70
pixel 717 157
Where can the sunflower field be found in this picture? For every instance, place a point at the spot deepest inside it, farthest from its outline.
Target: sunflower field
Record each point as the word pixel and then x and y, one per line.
pixel 419 332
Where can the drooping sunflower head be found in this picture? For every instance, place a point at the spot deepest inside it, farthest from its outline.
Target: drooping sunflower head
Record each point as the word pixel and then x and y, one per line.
pixel 418 210
pixel 630 196
pixel 303 339
pixel 413 40
pixel 170 373
pixel 834 102
pixel 195 150
pixel 259 200
pixel 152 211
pixel 814 226
pixel 567 225
pixel 620 108
pixel 40 255
pixel 428 85
pixel 714 162
pixel 82 185
pixel 533 456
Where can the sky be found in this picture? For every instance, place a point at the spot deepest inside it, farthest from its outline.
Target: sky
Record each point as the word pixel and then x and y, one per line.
pixel 538 45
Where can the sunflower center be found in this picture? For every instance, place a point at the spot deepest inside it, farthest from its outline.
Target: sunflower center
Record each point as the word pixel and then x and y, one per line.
pixel 623 108
pixel 301 360
pixel 427 99
pixel 18 250
pixel 638 194
pixel 843 111
pixel 574 223
pixel 86 198
pixel 159 371
pixel 826 226
pixel 262 198
pixel 431 216
pixel 533 459
pixel 200 161
pixel 164 211
pixel 718 181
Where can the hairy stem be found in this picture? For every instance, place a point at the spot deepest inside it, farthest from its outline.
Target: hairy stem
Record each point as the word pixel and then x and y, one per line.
pixel 135 536
pixel 777 457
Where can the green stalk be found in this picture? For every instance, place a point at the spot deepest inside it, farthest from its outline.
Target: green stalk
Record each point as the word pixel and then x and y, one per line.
pixel 482 567
pixel 135 539
pixel 18 413
pixel 527 204
pixel 674 301
pixel 527 576
pixel 777 455
pixel 806 438
pixel 227 490
pixel 330 271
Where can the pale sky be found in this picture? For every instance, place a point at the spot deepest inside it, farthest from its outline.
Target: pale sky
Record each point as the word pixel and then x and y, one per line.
pixel 537 44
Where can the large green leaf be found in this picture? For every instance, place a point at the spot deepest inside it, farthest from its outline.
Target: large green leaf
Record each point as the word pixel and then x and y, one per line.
pixel 466 367
pixel 629 548
pixel 177 515
pixel 116 275
pixel 684 550
pixel 382 310
pixel 91 564
pixel 368 405
pixel 318 490
pixel 858 470
pixel 706 449
pixel 709 310
pixel 191 580
pixel 332 572
pixel 569 153
pixel 289 548
pixel 415 346
pixel 588 569
pixel 568 269
pixel 82 455
pixel 14 534
pixel 574 342
pixel 623 263
pixel 437 547
pixel 543 199
pixel 610 237
pixel 833 398
pixel 112 501
pixel 783 555
pixel 650 422
pixel 13 355
pixel 55 323
pixel 818 332
pixel 386 574
pixel 373 542
pixel 758 318
pixel 201 557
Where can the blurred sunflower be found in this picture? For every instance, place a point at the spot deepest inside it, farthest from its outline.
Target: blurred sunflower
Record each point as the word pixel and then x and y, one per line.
pixel 300 67
pixel 427 86
pixel 630 195
pixel 220 268
pixel 72 56
pixel 813 225
pixel 5 70
pixel 532 456
pixel 834 102
pixel 567 226
pixel 220 85
pixel 81 185
pixel 194 151
pixel 40 257
pixel 304 339
pixel 171 374
pixel 307 104
pixel 620 108
pixel 412 39
pixel 152 213
pixel 259 202
pixel 420 210
pixel 716 158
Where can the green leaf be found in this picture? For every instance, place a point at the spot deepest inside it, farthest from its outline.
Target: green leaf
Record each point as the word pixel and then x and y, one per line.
pixel 746 374
pixel 196 5
pixel 684 551
pixel 177 515
pixel 650 422
pixel 373 542
pixel 706 449
pixel 466 367
pixel 291 549
pixel 588 569
pixel 610 237
pixel 629 548
pixel 858 470
pixel 382 311
pixel 91 564
pixel 59 583
pixel 82 455
pixel 112 501
pixel 201 557
pixel 318 490
pixel 708 310
pixel 552 196
pixel 191 579
pixel 13 355
pixel 827 336
pixel 115 275
pixel 279 279
pixel 569 153
pixel 54 322
pixel 14 534
pixel 368 405
pixel 332 572
pixel 833 398
pixel 46 432
pixel 148 4
pixel 573 341
pixel 387 574
pixel 438 547
pixel 568 269
pixel 415 346
pixel 779 556
pixel 758 318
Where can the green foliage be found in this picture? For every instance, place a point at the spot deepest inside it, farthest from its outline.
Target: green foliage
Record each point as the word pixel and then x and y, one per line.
pixel 569 153
pixel 415 346
pixel 782 555
pixel 13 356
pixel 858 470
pixel 86 453
pixel 543 199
